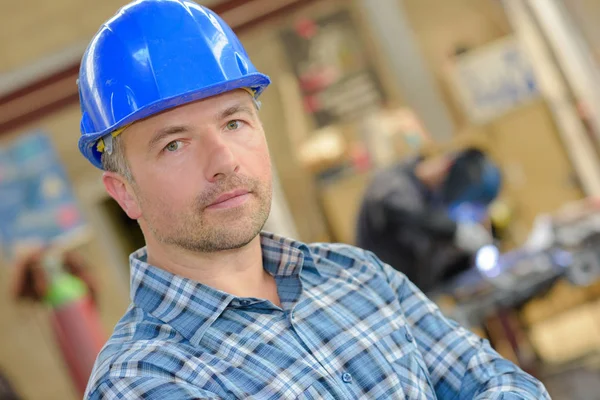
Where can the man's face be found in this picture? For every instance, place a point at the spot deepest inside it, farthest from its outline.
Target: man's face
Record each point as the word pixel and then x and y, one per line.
pixel 202 174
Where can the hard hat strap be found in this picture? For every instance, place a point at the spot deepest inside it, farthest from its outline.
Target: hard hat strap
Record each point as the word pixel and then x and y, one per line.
pixel 105 143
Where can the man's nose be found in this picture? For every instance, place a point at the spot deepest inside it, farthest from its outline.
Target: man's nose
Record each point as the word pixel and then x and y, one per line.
pixel 221 161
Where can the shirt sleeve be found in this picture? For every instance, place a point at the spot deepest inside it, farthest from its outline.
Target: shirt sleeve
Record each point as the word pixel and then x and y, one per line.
pixel 461 365
pixel 147 387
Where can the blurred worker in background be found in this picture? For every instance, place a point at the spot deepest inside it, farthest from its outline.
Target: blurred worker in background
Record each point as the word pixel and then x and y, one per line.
pixel 219 309
pixel 427 217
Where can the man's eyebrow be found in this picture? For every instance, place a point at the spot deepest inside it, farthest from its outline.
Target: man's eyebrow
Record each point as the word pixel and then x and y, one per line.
pixel 162 133
pixel 235 109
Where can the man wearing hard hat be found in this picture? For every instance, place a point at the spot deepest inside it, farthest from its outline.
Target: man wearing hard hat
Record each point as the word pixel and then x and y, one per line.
pixel 219 309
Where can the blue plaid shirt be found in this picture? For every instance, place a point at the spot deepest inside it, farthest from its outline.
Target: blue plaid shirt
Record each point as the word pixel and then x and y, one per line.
pixel 349 327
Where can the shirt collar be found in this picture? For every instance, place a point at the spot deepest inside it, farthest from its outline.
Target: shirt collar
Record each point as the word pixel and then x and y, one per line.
pixel 191 307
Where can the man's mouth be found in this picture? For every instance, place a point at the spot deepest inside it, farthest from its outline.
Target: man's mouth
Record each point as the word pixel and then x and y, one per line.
pixel 231 199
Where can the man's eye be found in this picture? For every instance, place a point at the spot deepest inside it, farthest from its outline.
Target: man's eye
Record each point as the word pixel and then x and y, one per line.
pixel 173 146
pixel 233 125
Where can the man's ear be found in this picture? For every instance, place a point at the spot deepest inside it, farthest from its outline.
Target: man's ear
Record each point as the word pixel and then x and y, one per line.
pixel 120 190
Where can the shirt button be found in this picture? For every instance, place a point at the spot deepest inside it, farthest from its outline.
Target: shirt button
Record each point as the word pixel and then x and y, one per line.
pixel 245 302
pixel 409 337
pixel 346 377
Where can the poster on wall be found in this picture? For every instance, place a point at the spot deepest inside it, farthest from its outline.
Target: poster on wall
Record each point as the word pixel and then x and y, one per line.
pixel 493 80
pixel 337 81
pixel 37 204
pixel 10 197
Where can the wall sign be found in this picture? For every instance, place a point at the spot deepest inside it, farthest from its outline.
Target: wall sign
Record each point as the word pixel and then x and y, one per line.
pixel 493 79
pixel 37 205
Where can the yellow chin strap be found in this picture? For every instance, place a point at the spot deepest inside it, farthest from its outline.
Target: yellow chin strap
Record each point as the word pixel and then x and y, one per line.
pixel 105 143
pixel 102 146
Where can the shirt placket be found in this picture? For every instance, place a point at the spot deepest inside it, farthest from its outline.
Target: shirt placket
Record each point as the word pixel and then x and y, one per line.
pixel 338 379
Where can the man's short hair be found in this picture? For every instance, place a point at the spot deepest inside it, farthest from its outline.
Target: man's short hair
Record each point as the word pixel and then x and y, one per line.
pixel 116 161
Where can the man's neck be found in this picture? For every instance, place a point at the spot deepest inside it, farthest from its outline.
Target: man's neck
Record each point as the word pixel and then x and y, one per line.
pixel 238 272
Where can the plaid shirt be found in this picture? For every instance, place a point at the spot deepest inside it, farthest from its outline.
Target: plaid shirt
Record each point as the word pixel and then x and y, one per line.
pixel 349 327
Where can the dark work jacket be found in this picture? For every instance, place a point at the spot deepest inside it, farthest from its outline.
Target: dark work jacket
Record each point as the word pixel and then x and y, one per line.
pixel 403 224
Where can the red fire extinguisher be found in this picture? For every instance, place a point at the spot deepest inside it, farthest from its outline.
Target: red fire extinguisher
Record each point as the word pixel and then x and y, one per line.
pixel 61 282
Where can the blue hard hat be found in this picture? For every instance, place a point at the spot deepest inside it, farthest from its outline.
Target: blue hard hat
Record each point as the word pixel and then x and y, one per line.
pixel 154 55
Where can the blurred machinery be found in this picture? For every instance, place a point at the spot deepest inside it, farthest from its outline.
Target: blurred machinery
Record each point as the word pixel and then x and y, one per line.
pixel 540 302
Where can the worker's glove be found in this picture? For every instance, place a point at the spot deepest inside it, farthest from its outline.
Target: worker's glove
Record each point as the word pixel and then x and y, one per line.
pixel 470 236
